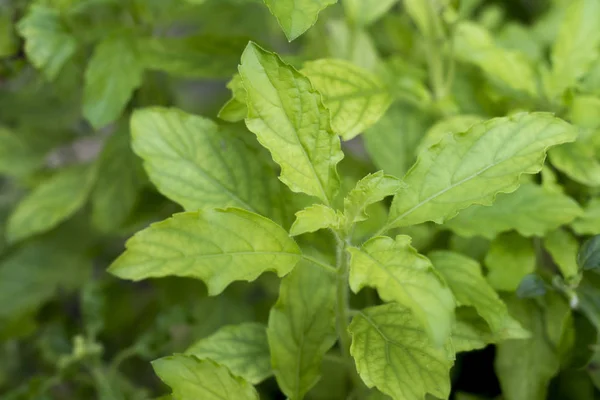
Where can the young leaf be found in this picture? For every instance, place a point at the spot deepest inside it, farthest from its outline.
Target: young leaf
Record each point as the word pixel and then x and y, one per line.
pixel 218 247
pixel 472 167
pixel 563 248
pixel 393 354
pixel 589 221
pixel 235 109
pixel 531 210
pixel 510 258
pixel 365 12
pixel 356 98
pixel 195 163
pixel 302 328
pixel 464 277
pixel 314 218
pixel 402 275
pixel 576 46
pixel 52 202
pixel 242 348
pixel 113 73
pixel 296 16
pixel 191 378
pixel 48 43
pixel 287 115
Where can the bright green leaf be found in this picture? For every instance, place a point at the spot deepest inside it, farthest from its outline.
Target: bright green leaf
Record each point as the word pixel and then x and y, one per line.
pixel 302 328
pixel 113 73
pixel 563 248
pixel 402 275
pixel 289 119
pixel 314 218
pixel 52 202
pixel 296 16
pixel 531 210
pixel 192 379
pixel 471 167
pixel 578 161
pixel 356 97
pixel 365 12
pixel 447 126
pixel 510 258
pixel 235 109
pixel 242 348
pixel 218 247
pixel 393 354
pixel 352 44
pixel 589 222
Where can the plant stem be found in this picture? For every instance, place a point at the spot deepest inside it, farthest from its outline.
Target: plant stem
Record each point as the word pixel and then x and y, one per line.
pixel 342 296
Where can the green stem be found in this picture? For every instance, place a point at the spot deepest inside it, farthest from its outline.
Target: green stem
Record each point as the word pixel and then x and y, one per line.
pixel 342 297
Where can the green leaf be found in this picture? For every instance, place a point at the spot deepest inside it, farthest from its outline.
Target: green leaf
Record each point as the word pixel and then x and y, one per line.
pixel 402 275
pixel 589 256
pixel 287 115
pixel 563 248
pixel 393 354
pixel 463 276
pixel 113 73
pixel 369 190
pixel 191 379
pixel 531 210
pixel 472 167
pixel 589 221
pixel 302 328
pixel 296 16
pixel 48 42
pixel 235 109
pixel 218 247
pixel 356 97
pixel 17 157
pixel 51 203
pixel 510 258
pixel 194 162
pixel 314 218
pixel 119 181
pixel 532 285
pixel 242 348
pixel 352 44
pixel 447 126
pixel 392 143
pixel 365 12
pixel 578 161
pixel 576 46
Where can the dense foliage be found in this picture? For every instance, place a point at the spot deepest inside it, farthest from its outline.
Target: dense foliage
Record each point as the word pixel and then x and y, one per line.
pixel 353 199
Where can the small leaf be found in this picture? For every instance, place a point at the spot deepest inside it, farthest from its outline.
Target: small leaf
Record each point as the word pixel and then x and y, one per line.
pixel 578 161
pixel 242 348
pixel 531 286
pixel 302 328
pixel 48 43
pixel 472 167
pixel 191 378
pixel 588 257
pixel 51 203
pixel 447 126
pixel 365 12
pixel 314 218
pixel 509 259
pixel 296 16
pixel 356 97
pixel 563 248
pixel 235 109
pixel 393 354
pixel 113 73
pixel 287 115
pixel 588 223
pixel 218 247
pixel 402 275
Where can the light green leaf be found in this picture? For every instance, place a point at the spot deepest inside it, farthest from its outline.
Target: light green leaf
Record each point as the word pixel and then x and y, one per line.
pixel 472 167
pixel 194 162
pixel 576 46
pixel 578 161
pixel 113 73
pixel 356 97
pixel 192 379
pixel 52 202
pixel 235 109
pixel 16 156
pixel 525 367
pixel 402 275
pixel 585 111
pixel 365 12
pixel 296 16
pixel 287 115
pixel 314 218
pixel 392 143
pixel 393 354
pixel 218 247
pixel 508 69
pixel 531 210
pixel 369 190
pixel 510 258
pixel 119 181
pixel 302 328
pixel 352 44
pixel 48 42
pixel 463 276
pixel 589 222
pixel 563 247
pixel 242 348
pixel 447 126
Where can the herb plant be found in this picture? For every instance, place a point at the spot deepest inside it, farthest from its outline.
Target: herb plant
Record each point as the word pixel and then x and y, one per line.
pixel 398 199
